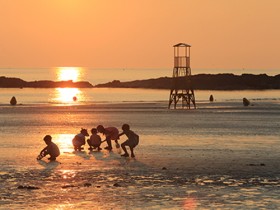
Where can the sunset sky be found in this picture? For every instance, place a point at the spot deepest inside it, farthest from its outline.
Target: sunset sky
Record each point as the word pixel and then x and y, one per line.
pixel 224 34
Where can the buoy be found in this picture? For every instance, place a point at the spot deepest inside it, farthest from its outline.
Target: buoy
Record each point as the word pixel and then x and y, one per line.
pixel 13 101
pixel 246 102
pixel 211 98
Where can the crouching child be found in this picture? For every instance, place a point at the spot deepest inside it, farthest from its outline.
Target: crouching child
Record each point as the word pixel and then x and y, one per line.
pixel 51 149
pixel 94 141
pixel 80 139
pixel 131 142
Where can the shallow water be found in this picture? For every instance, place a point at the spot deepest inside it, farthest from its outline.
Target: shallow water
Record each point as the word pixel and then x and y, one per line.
pixel 221 155
pixel 64 96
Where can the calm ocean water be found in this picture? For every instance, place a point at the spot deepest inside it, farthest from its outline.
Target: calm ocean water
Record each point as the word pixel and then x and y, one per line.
pixel 65 96
pixel 220 156
pixel 97 76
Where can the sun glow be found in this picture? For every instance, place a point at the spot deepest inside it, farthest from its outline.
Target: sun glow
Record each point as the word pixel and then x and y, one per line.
pixel 69 73
pixel 190 203
pixel 68 95
pixel 64 141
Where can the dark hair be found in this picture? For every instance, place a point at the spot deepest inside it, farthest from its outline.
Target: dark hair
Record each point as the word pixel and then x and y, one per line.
pixel 125 127
pixel 84 132
pixel 93 130
pixel 100 128
pixel 47 138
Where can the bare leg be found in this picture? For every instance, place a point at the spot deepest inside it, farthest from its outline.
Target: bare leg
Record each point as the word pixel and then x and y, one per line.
pixel 125 151
pixel 89 144
pixel 117 144
pixel 51 158
pixel 132 153
pixel 108 140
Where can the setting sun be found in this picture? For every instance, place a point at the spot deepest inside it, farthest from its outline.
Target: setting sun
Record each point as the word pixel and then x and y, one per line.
pixel 124 104
pixel 68 73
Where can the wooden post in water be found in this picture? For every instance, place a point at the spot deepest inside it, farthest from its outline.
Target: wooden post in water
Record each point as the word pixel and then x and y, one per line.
pixel 181 87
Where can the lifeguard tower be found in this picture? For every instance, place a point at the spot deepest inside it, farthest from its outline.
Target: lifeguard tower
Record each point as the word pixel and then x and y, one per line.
pixel 181 87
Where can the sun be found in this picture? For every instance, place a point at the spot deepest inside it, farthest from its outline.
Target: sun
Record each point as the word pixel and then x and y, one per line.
pixel 68 73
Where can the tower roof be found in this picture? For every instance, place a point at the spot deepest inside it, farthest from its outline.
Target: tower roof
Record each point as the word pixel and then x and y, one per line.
pixel 182 45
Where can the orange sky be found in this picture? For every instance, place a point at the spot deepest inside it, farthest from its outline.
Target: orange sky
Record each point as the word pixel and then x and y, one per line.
pixel 139 34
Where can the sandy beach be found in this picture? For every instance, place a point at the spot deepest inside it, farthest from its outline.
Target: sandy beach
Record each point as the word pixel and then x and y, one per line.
pixel 71 65
pixel 220 155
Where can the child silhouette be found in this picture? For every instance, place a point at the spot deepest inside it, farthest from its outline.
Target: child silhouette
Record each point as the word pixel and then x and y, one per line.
pixel 51 149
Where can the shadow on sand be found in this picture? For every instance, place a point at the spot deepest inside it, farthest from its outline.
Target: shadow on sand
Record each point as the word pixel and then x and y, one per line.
pixel 114 157
pixel 82 154
pixel 49 165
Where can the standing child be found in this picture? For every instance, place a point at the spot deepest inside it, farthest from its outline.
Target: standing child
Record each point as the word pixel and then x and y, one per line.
pixel 94 141
pixel 51 149
pixel 80 139
pixel 132 141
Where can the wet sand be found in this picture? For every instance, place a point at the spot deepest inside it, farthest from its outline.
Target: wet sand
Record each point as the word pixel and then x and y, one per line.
pixel 231 162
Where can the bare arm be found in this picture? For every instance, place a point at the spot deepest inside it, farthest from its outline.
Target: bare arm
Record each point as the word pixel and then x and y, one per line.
pixel 43 153
pixel 121 134
pixel 44 150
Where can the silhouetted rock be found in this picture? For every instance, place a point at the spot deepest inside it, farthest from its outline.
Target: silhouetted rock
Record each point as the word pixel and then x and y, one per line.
pixel 87 184
pixel 199 82
pixel 246 102
pixel 13 101
pixel 60 84
pixel 11 82
pixel 252 164
pixel 117 185
pixel 205 82
pixel 6 82
pixel 211 98
pixel 28 187
pixel 68 186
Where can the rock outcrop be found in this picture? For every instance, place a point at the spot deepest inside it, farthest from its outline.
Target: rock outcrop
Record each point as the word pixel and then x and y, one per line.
pixel 6 82
pixel 206 82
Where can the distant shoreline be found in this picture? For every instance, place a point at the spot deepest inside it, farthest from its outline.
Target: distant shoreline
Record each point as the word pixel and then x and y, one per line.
pixel 205 82
pixel 198 82
pixel 6 82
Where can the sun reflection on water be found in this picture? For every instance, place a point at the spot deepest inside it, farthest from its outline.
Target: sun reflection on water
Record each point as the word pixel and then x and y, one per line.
pixel 190 203
pixel 66 173
pixel 68 95
pixel 64 142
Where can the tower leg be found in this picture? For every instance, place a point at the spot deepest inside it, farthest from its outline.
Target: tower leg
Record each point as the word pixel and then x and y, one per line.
pixel 193 98
pixel 176 99
pixel 170 98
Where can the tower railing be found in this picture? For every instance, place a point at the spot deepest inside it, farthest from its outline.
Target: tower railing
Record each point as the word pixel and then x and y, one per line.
pixel 181 61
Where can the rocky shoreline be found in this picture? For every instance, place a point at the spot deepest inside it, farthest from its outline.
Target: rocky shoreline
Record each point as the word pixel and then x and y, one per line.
pixel 6 82
pixel 206 82
pixel 199 82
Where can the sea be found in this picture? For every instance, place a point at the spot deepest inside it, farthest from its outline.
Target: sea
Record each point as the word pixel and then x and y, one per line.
pixel 221 155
